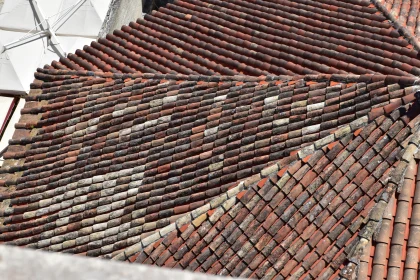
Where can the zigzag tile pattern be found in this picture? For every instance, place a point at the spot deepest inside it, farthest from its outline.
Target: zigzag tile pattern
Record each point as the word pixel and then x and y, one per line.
pixel 302 222
pixel 279 37
pixel 101 161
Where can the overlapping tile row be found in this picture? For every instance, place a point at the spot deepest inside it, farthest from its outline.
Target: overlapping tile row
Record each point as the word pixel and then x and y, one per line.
pixel 303 221
pixel 280 37
pixel 394 251
pixel 100 161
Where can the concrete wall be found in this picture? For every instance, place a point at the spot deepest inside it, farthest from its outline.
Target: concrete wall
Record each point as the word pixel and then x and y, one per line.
pixel 23 264
pixel 120 13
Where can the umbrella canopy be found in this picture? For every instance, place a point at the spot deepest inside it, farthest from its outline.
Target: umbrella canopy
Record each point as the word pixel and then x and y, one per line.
pixel 18 15
pixel 17 65
pixel 35 32
pixel 32 34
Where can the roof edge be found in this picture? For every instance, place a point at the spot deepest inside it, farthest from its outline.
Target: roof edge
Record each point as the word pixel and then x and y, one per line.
pixel 374 221
pixel 9 170
pixel 49 75
pixel 400 28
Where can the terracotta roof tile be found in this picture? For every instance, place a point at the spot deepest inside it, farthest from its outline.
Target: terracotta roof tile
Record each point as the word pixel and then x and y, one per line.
pixel 404 16
pixel 105 198
pixel 395 247
pixel 101 173
pixel 259 38
pixel 176 165
pixel 259 235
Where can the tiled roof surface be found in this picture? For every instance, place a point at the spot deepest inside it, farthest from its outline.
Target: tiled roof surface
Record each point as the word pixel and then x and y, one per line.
pixel 405 17
pixel 100 161
pixel 238 141
pixel 304 219
pixel 254 38
pixel 394 251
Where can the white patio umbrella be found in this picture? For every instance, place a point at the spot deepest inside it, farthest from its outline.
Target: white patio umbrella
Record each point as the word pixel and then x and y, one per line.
pixel 17 65
pixel 35 32
pixel 67 17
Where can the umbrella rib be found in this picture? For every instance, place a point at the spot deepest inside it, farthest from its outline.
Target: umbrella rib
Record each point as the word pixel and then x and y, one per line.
pixel 48 31
pixel 65 17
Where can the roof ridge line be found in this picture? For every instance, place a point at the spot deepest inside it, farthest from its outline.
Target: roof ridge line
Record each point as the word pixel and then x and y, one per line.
pixel 374 219
pixel 167 76
pixel 42 77
pixel 400 28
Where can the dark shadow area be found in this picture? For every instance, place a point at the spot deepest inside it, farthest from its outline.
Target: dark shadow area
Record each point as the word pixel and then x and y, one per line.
pixel 150 5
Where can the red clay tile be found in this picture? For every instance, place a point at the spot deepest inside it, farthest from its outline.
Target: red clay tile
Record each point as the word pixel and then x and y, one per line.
pixel 164 145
